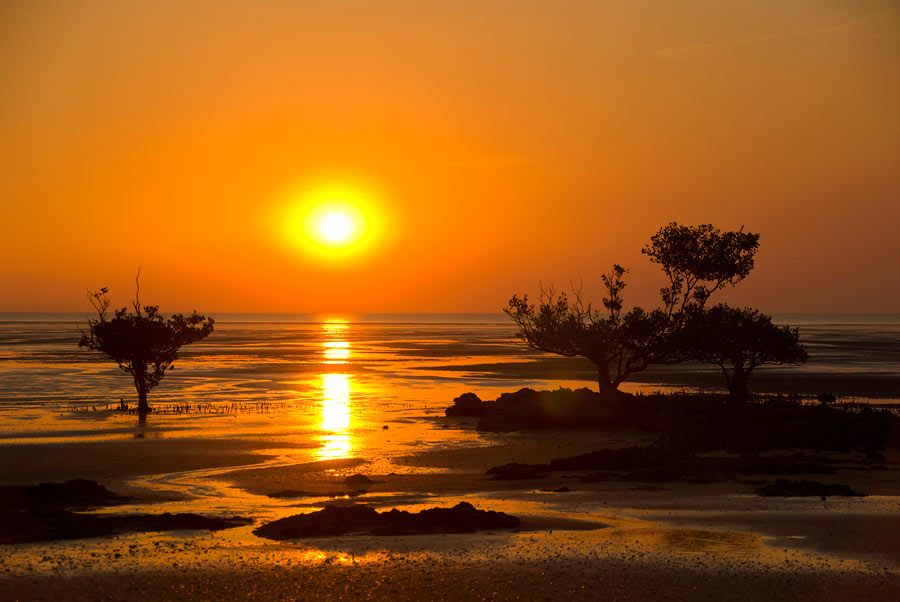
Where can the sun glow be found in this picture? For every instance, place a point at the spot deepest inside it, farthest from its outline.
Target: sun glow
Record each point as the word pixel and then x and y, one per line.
pixel 332 223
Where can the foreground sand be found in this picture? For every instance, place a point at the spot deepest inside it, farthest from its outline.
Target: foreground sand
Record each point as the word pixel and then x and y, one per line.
pixel 399 580
pixel 601 541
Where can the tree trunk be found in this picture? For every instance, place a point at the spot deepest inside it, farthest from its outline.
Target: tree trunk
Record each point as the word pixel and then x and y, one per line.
pixel 140 384
pixel 738 384
pixel 143 406
pixel 603 381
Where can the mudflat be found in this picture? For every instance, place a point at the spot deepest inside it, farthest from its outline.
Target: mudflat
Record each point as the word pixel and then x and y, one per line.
pixel 578 540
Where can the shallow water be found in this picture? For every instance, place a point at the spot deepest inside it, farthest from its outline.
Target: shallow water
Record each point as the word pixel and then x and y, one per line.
pixel 333 380
pixel 337 382
pixel 335 389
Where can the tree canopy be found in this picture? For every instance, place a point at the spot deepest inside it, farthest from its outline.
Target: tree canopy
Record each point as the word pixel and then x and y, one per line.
pixel 619 345
pixel 142 342
pixel 699 260
pixel 738 341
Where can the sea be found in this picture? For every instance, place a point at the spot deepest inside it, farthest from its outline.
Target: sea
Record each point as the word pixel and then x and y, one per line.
pixel 333 378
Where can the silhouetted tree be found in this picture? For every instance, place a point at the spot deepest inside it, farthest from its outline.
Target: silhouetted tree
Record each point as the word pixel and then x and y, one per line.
pixel 699 260
pixel 142 342
pixel 739 340
pixel 619 345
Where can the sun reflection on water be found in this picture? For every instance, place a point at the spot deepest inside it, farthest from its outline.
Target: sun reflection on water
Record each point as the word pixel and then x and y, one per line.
pixel 335 395
pixel 335 417
pixel 336 402
pixel 336 352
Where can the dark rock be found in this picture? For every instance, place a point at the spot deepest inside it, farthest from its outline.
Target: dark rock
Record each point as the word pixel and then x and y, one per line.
pixel 786 488
pixel 294 493
pixel 77 493
pixel 517 472
pixel 826 398
pixel 338 520
pixel 562 408
pixel 23 526
pixel 41 513
pixel 183 521
pixel 697 423
pixel 653 464
pixel 358 479
pixel 467 404
pixel 332 520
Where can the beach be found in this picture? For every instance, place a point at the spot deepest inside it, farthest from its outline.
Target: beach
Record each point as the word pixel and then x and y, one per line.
pixel 622 541
pixel 578 540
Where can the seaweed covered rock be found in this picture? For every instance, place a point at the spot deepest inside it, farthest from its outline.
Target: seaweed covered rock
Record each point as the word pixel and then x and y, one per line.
pixel 337 520
pixel 515 471
pixel 653 464
pixel 562 408
pixel 295 493
pixel 358 480
pixel 697 423
pixel 31 513
pixel 77 493
pixel 804 488
pixel 26 526
pixel 467 404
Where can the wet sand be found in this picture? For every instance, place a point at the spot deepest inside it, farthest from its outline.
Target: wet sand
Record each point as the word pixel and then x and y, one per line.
pixel 402 580
pixel 299 402
pixel 600 541
pixel 116 463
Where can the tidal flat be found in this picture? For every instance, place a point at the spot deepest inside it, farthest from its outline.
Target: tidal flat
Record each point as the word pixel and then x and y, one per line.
pixel 307 406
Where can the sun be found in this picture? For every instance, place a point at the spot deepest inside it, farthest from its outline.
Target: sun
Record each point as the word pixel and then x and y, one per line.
pixel 336 227
pixel 335 224
pixel 332 227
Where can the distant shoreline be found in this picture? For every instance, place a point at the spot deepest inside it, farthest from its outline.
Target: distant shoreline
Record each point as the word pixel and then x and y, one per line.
pixel 819 319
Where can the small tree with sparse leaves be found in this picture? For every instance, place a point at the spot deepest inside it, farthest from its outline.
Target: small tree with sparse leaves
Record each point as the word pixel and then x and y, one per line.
pixel 142 342
pixel 617 344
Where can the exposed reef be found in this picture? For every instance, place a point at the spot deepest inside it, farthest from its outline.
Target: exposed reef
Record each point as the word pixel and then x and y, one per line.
pixel 467 404
pixel 77 493
pixel 653 463
pixel 30 513
pixel 804 488
pixel 295 493
pixel 690 423
pixel 338 520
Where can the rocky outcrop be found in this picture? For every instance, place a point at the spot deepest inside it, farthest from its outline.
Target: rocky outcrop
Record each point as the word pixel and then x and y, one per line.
pixel 691 423
pixel 786 488
pixel 652 464
pixel 30 513
pixel 467 404
pixel 338 520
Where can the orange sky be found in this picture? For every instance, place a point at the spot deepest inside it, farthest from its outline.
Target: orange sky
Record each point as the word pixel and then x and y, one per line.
pixel 496 144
